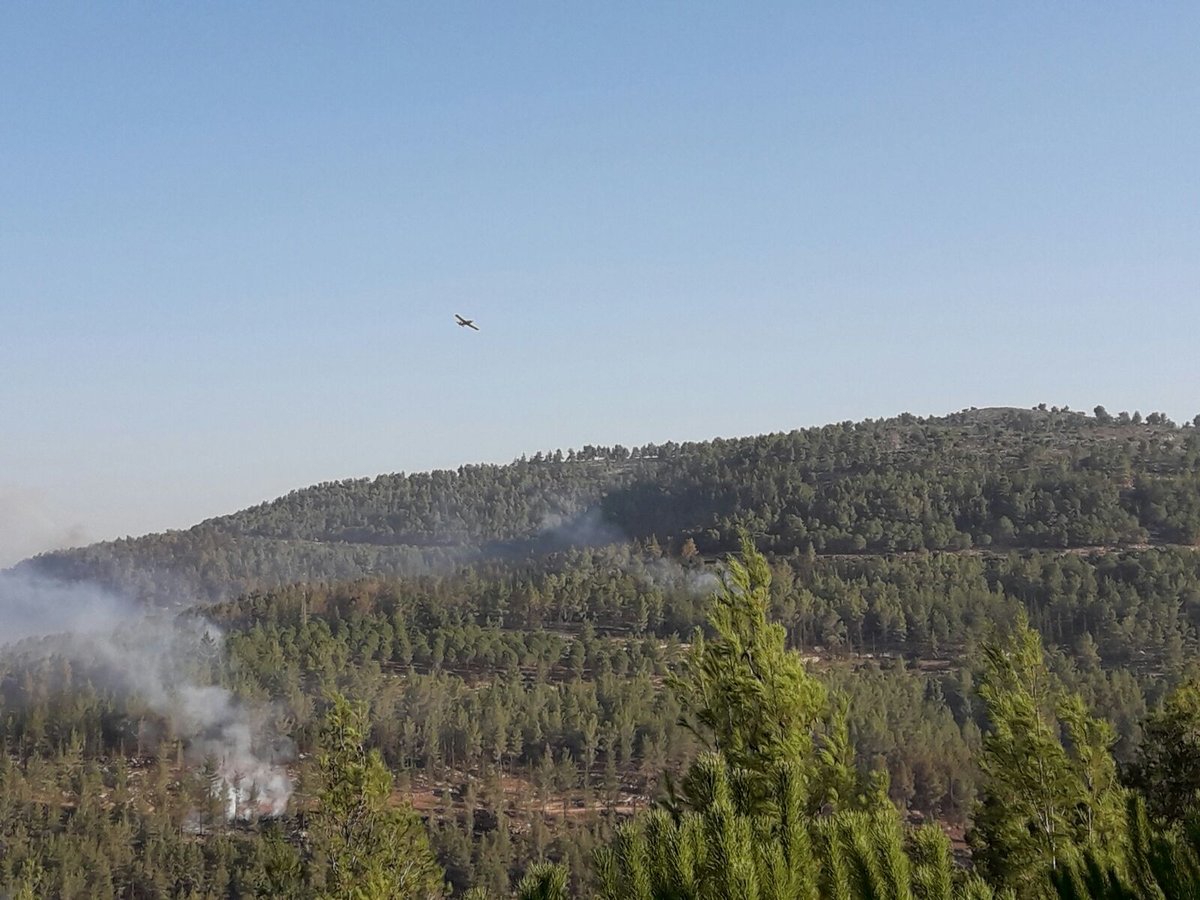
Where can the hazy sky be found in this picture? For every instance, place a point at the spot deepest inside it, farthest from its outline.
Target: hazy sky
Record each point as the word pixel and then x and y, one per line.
pixel 233 236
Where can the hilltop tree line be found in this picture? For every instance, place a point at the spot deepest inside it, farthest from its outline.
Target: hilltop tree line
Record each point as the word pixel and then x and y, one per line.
pixel 986 479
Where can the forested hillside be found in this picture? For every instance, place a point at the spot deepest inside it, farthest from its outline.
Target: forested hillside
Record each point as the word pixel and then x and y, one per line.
pixel 520 640
pixel 995 479
pixel 534 712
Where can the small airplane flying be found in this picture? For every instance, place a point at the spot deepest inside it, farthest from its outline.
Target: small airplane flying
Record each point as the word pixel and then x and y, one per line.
pixel 466 323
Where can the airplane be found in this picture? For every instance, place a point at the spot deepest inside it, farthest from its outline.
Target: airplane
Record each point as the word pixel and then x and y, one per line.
pixel 466 323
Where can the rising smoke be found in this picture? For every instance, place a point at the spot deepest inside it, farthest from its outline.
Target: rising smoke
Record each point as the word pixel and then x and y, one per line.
pixel 669 574
pixel 161 660
pixel 589 528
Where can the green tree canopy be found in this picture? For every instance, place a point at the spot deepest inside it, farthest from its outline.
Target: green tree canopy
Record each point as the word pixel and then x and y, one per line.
pixel 1043 803
pixel 1167 768
pixel 371 848
pixel 751 699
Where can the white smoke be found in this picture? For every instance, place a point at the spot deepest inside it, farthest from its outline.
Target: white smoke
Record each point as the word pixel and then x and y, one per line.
pixel 586 529
pixel 250 766
pixel 668 574
pixel 160 659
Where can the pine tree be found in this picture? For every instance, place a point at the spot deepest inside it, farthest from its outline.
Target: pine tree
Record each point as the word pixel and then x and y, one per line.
pixel 718 848
pixel 370 848
pixel 1161 863
pixel 1043 805
pixel 543 881
pixel 742 824
pixel 751 699
pixel 1167 768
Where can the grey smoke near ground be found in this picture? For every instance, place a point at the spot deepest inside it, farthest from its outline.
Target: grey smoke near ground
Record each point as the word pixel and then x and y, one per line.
pixel 590 529
pixel 668 574
pixel 37 607
pixel 586 529
pixel 27 526
pixel 158 659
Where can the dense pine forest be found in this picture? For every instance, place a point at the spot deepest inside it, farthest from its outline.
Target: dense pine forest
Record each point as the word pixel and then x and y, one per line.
pixel 928 658
pixel 993 479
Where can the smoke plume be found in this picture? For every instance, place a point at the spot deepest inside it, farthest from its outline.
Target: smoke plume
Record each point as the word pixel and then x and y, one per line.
pixel 669 574
pixel 162 660
pixel 589 528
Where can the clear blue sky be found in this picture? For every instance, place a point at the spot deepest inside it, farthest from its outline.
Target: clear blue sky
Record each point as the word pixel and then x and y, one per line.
pixel 233 235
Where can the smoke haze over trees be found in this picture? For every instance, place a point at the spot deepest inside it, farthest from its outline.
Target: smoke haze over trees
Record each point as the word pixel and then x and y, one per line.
pixel 929 602
pixel 981 479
